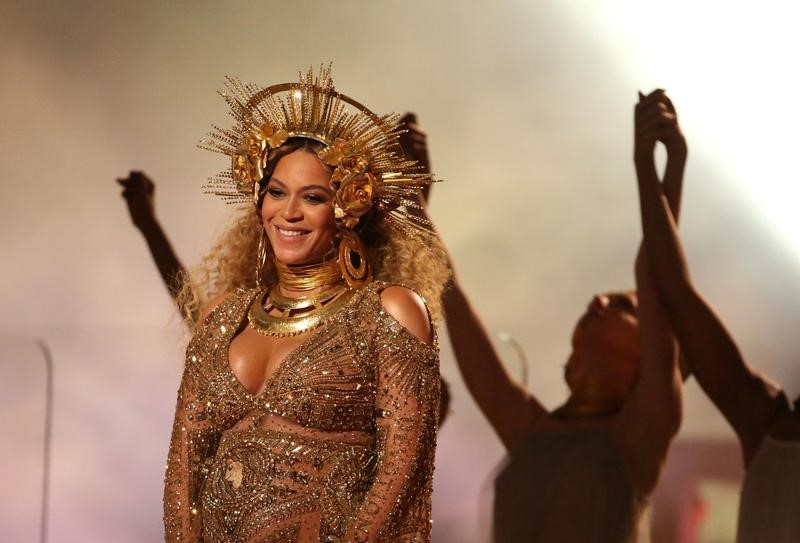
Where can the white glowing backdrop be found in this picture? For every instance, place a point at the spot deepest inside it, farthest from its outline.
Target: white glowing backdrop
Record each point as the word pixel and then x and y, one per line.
pixel 528 108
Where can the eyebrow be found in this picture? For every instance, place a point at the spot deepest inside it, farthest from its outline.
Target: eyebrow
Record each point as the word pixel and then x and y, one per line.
pixel 328 190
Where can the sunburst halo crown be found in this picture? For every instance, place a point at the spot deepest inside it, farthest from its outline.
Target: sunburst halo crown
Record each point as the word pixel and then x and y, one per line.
pixel 370 170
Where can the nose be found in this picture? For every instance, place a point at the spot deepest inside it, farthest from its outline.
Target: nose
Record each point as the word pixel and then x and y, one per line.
pixel 291 211
pixel 599 304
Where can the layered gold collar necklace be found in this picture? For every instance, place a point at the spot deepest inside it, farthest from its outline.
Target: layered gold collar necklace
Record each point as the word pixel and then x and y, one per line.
pixel 324 291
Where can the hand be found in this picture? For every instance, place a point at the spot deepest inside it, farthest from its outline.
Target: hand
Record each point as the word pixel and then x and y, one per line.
pixel 656 120
pixel 415 147
pixel 139 194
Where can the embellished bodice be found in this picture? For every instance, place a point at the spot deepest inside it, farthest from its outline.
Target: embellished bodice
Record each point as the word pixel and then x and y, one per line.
pixel 338 444
pixel 326 383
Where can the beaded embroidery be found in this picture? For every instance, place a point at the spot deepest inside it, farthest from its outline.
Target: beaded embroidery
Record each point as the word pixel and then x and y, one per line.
pixel 338 447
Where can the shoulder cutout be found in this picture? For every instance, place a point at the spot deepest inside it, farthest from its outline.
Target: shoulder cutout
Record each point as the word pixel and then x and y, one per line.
pixel 211 306
pixel 407 307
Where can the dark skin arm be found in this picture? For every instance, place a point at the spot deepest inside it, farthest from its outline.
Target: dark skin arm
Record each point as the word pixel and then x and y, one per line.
pixel 415 146
pixel 749 401
pixel 510 409
pixel 652 414
pixel 139 193
pixel 675 144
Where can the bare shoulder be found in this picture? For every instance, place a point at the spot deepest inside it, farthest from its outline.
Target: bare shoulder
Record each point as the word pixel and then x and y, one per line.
pixel 212 305
pixel 409 309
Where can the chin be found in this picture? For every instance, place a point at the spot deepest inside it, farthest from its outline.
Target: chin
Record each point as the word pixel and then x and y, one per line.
pixel 293 260
pixel 298 258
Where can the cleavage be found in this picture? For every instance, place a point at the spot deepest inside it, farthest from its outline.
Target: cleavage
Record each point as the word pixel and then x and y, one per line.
pixel 254 358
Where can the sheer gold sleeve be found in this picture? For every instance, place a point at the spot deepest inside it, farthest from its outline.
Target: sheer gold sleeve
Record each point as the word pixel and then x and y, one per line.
pixel 193 443
pixel 397 507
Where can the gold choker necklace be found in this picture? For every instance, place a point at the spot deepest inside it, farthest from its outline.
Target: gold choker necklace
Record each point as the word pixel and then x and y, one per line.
pixel 303 313
pixel 309 276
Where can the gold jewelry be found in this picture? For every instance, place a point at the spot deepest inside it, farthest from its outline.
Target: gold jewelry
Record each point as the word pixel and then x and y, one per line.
pixel 261 257
pixel 298 315
pixel 316 300
pixel 325 287
pixel 309 276
pixel 371 173
pixel 353 261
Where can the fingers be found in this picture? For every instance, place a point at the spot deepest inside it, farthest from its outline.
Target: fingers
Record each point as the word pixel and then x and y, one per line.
pixel 652 97
pixel 136 183
pixel 658 118
pixel 663 99
pixel 409 118
pixel 654 120
pixel 655 114
pixel 409 123
pixel 656 99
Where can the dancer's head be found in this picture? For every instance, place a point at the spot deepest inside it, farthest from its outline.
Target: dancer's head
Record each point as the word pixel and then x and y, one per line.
pixel 605 352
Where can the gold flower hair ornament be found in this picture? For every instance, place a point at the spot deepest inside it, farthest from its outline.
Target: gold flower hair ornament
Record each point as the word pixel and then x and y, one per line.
pixel 250 158
pixel 355 186
pixel 370 171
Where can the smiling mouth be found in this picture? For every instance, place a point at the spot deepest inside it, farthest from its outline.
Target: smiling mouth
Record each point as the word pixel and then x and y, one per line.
pixel 290 233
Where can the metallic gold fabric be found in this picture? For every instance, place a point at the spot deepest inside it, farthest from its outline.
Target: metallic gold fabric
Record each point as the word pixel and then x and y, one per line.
pixel 338 447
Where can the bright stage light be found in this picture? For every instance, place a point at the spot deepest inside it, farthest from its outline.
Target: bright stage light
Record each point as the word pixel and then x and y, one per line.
pixel 732 69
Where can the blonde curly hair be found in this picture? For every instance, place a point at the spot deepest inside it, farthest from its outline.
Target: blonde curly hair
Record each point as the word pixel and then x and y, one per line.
pixel 418 262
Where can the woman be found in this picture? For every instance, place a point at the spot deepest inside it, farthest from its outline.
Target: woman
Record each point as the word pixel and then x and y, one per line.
pixel 308 407
pixel 758 410
pixel 583 472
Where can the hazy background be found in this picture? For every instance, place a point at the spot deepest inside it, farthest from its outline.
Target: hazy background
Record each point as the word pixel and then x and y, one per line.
pixel 528 110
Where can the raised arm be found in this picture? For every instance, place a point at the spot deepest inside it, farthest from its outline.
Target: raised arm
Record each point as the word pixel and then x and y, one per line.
pixel 652 415
pixel 748 401
pixel 675 144
pixel 139 193
pixel 508 406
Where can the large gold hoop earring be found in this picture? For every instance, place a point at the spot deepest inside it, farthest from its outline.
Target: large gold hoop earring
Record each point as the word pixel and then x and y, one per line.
pixel 353 260
pixel 261 257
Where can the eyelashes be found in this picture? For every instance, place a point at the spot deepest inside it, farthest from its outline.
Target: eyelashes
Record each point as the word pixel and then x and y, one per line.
pixel 310 197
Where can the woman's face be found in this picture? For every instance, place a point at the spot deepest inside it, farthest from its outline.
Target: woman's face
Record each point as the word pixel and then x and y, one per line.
pixel 608 331
pixel 297 210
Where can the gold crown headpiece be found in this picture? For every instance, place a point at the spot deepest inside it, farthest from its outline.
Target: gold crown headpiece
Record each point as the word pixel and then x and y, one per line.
pixel 370 170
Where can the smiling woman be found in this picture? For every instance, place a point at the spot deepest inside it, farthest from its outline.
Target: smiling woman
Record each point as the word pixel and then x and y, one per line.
pixel 296 209
pixel 309 403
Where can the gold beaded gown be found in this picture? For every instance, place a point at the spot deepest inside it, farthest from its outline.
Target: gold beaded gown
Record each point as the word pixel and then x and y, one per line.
pixel 339 446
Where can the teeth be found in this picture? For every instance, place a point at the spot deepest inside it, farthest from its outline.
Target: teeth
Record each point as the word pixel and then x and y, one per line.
pixel 290 233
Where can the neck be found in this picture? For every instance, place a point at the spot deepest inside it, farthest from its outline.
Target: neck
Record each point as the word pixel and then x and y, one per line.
pixel 296 281
pixel 593 396
pixel 580 406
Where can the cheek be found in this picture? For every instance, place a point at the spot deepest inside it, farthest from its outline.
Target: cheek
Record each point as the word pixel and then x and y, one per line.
pixel 267 210
pixel 633 337
pixel 322 218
